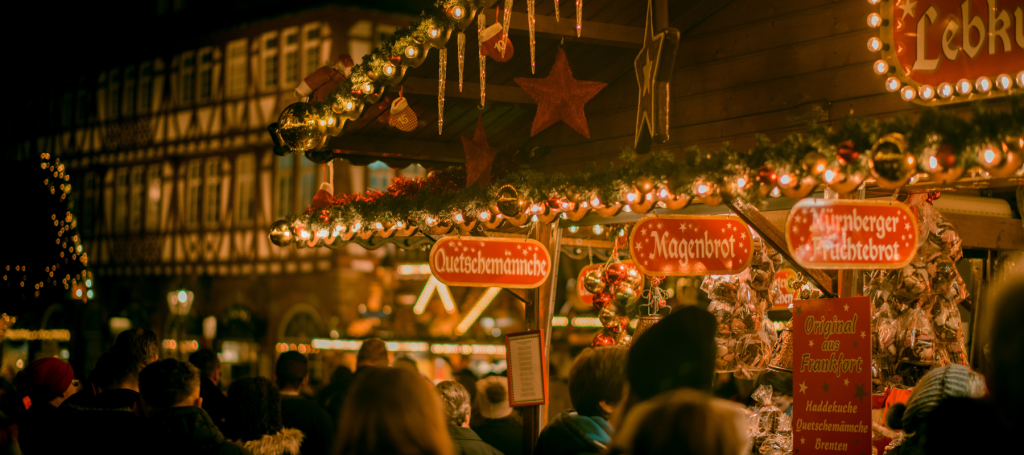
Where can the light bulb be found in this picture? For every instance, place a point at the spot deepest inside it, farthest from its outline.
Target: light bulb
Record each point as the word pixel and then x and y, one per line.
pixel 785 179
pixel 631 197
pixel 663 193
pixel 431 221
pixel 485 215
pixel 775 192
pixel 378 226
pixel 598 229
pixel 389 69
pixel 1020 78
pixel 926 92
pixel 434 32
pixel 874 2
pixel 357 226
pixel 963 86
pixel 983 84
pixel 400 224
pixel 349 105
pixel 741 182
pixel 702 189
pixel 367 88
pixel 990 155
pixel 880 67
pixel 875 20
pixel 1004 82
pixel 830 175
pixel 458 12
pixel 304 234
pixel 574 229
pixel 908 93
pixel 892 84
pixel 595 201
pixel 458 218
pixel 874 44
pixel 411 51
pixel 182 296
pixel 933 163
pixel 945 90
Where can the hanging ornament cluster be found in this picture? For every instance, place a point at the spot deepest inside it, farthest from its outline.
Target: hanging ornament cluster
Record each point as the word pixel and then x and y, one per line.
pixel 916 322
pixel 740 304
pixel 616 288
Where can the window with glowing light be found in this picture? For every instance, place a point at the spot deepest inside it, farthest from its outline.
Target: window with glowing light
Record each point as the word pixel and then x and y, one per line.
pixel 245 183
pixel 283 186
pixel 237 76
pixel 153 192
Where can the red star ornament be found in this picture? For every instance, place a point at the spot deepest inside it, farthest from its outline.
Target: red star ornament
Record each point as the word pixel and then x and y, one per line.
pixel 560 97
pixel 479 156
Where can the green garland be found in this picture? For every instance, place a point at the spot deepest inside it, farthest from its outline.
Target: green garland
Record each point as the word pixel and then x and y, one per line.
pixel 443 195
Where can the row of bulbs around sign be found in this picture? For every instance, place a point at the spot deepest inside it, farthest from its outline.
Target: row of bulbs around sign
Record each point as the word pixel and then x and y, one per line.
pixel 890 164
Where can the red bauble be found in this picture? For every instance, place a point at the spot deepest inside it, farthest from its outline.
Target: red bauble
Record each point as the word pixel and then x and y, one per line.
pixel 325 216
pixel 603 339
pixel 655 280
pixel 848 152
pixel 554 202
pixel 600 299
pixel 616 274
pixel 766 176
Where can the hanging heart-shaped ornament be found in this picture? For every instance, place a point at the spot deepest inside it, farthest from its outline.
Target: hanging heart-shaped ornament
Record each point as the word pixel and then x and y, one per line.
pixel 891 163
pixel 402 116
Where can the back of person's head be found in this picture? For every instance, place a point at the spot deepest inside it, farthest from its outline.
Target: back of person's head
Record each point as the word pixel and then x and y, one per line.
pixel 341 374
pixel 457 405
pixel 934 387
pixel 141 344
pixel 168 383
pixel 492 397
pixel 597 376
pixel 1006 349
pixel 407 363
pixel 45 379
pixel 392 411
pixel 683 422
pixel 467 378
pixel 291 370
pixel 206 361
pixel 115 370
pixel 255 409
pixel 373 352
pixel 677 352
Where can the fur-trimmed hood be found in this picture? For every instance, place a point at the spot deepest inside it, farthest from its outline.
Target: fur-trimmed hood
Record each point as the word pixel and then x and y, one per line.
pixel 285 442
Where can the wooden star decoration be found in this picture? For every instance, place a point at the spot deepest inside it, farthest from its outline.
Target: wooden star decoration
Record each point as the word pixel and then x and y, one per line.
pixel 479 156
pixel 653 74
pixel 560 97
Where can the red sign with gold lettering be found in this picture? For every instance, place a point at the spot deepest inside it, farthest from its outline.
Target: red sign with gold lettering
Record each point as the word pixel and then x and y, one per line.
pixel 682 245
pixel 490 262
pixel 832 376
pixel 848 234
pixel 951 50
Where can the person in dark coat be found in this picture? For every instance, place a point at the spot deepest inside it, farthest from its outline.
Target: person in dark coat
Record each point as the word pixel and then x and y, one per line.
pixel 373 353
pixel 501 427
pixel 595 387
pixel 175 422
pixel 255 419
pixel 291 374
pixel 456 402
pixel 331 396
pixel 93 421
pixel 215 402
pixel 935 387
pixel 46 382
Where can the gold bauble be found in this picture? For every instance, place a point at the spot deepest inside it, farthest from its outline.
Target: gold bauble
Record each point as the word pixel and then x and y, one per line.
pixel 302 127
pixel 508 201
pixel 644 184
pixel 634 278
pixel 891 164
pixel 1001 160
pixel 593 282
pixel 625 295
pixel 942 164
pixel 844 183
pixel 815 163
pixel 281 233
pixel 799 187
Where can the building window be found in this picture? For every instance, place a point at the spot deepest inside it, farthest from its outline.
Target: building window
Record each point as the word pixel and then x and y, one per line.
pixel 291 56
pixel 414 171
pixel 153 191
pixel 129 92
pixel 360 39
pixel 67 110
pixel 237 68
pixel 145 87
pixel 194 173
pixel 384 31
pixel 380 175
pixel 120 200
pixel 114 95
pixel 188 77
pixel 283 186
pixel 211 203
pixel 271 61
pixel 205 75
pixel 315 46
pixel 245 179
pixel 307 182
pixel 135 198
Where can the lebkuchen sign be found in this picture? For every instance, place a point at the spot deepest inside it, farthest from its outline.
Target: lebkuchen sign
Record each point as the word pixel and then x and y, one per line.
pixel 847 234
pixel 945 51
pixel 490 262
pixel 682 245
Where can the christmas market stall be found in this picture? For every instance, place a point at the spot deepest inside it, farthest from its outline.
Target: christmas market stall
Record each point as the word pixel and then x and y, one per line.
pixel 822 197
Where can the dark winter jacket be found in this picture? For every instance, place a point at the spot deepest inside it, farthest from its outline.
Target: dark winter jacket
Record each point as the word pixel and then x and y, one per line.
pixel 214 402
pixel 93 421
pixel 186 430
pixel 36 431
pixel 572 434
pixel 466 442
pixel 304 415
pixel 504 434
pixel 285 442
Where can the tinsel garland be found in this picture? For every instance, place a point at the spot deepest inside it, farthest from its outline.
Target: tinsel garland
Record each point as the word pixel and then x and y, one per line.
pixel 442 195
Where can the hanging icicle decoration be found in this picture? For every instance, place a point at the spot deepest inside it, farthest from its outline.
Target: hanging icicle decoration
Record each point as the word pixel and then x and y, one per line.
pixel 507 21
pixel 481 24
pixel 557 14
pixel 442 72
pixel 533 42
pixel 579 17
pixel 462 56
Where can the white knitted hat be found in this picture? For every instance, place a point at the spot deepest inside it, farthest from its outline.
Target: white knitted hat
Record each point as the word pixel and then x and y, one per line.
pixel 492 396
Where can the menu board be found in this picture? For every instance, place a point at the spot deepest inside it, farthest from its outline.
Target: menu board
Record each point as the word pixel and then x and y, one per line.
pixel 832 376
pixel 524 352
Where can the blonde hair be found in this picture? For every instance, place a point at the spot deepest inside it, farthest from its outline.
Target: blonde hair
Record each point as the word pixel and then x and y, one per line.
pixel 392 411
pixel 683 422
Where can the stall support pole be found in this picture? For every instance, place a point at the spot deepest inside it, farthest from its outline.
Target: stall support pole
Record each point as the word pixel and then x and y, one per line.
pixel 539 308
pixel 849 280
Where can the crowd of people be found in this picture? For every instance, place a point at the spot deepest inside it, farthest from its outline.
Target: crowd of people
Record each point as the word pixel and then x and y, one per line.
pixel 652 398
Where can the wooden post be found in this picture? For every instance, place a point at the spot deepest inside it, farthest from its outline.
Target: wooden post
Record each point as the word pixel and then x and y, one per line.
pixel 849 280
pixel 539 309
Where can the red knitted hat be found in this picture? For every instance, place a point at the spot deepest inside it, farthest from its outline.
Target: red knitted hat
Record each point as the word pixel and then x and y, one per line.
pixel 45 379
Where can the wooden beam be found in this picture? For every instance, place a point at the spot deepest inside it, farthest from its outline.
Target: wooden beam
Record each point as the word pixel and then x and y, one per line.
pixel 777 240
pixel 987 232
pixel 470 91
pixel 362 150
pixel 590 32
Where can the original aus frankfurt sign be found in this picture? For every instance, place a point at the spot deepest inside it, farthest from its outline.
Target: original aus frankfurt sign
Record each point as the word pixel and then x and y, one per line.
pixel 490 262
pixel 681 245
pixel 845 234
